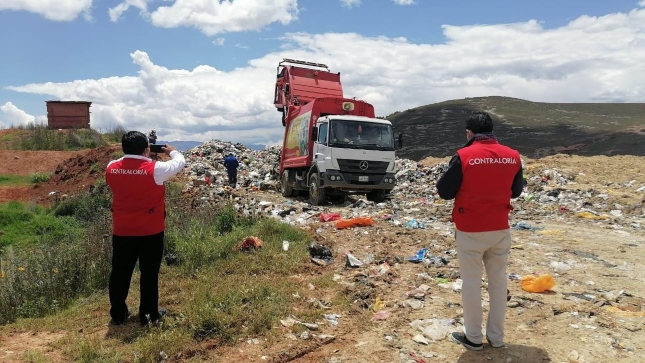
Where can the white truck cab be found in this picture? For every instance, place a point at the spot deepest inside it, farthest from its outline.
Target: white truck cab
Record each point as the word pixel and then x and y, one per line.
pixel 352 154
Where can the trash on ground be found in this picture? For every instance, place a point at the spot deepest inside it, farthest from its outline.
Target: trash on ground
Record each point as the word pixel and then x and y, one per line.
pixel 249 243
pixel 328 217
pixel 354 222
pixel 351 261
pixel 421 254
pixel 542 283
pixel 382 315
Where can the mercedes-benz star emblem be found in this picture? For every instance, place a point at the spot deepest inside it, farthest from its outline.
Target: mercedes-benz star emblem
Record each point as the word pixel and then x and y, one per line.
pixel 363 165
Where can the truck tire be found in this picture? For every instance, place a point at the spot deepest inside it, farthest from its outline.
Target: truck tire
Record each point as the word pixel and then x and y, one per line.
pixel 316 194
pixel 285 188
pixel 376 196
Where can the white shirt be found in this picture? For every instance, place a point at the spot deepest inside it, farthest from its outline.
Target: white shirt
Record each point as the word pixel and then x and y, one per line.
pixel 164 170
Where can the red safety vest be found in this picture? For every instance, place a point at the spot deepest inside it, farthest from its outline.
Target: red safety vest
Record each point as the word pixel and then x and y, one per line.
pixel 138 203
pixel 483 201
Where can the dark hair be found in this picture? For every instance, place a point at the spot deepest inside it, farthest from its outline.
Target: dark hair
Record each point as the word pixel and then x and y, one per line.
pixel 479 122
pixel 134 143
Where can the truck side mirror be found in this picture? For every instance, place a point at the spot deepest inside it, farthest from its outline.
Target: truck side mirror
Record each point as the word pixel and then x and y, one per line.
pixel 400 143
pixel 314 134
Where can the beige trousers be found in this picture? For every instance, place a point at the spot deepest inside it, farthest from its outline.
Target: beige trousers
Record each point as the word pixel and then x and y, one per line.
pixel 492 249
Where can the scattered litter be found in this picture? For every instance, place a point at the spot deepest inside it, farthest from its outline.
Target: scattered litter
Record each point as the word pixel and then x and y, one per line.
pixel 522 225
pixel 378 305
pixel 382 315
pixel 332 319
pixel 414 224
pixel 413 303
pixel 542 283
pixel 420 256
pixel 328 217
pixel 351 261
pixel 354 222
pixel 249 243
pixel 421 339
pixel 454 285
pixel 435 329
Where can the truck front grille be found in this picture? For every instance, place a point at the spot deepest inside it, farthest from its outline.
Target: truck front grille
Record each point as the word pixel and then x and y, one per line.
pixel 354 166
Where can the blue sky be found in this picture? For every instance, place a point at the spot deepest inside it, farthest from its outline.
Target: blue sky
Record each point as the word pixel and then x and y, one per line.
pixel 140 69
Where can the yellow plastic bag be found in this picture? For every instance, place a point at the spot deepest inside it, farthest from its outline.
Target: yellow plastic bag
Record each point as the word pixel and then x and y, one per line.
pixel 543 283
pixel 378 305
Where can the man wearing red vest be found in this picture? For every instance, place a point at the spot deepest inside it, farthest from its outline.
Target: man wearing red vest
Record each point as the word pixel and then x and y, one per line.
pixel 482 178
pixel 138 224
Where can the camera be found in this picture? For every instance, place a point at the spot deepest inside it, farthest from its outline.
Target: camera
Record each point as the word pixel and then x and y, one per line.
pixel 157 149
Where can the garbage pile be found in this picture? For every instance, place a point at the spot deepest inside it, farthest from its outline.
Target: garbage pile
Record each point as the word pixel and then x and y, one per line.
pixel 205 166
pixel 414 203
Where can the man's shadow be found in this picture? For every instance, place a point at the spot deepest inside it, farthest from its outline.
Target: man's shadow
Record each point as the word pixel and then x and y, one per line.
pixel 517 353
pixel 128 332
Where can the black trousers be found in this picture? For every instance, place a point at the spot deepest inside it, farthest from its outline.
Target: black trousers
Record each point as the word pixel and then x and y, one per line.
pixel 126 250
pixel 232 178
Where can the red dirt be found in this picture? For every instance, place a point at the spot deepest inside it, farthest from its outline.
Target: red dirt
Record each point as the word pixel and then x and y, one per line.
pixel 72 172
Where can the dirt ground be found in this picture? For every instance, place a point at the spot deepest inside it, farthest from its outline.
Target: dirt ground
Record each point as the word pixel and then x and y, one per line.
pixel 595 313
pixel 72 172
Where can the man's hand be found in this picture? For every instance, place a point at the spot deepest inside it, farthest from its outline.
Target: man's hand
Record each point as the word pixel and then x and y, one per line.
pixel 167 149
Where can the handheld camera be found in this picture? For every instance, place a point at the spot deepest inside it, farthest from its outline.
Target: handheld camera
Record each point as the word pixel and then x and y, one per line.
pixel 157 149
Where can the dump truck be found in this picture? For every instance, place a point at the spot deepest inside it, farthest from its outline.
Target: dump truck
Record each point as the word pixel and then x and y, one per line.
pixel 332 145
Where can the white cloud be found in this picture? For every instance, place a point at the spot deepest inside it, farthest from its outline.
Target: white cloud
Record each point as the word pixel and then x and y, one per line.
pixel 58 10
pixel 350 3
pixel 117 11
pixel 13 116
pixel 591 59
pixel 406 2
pixel 215 17
pixel 219 41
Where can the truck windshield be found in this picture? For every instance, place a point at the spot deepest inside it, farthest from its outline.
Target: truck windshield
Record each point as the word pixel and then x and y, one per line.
pixel 361 135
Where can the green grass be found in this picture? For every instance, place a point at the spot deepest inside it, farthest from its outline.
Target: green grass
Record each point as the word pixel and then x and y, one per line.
pixel 18 180
pixel 27 224
pixel 14 180
pixel 213 292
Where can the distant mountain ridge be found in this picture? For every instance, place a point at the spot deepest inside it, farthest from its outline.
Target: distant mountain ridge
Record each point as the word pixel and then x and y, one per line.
pixel 536 129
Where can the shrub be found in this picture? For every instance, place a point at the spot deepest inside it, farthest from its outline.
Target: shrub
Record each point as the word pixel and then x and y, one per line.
pixel 87 206
pixel 116 133
pixel 44 277
pixel 39 137
pixel 40 178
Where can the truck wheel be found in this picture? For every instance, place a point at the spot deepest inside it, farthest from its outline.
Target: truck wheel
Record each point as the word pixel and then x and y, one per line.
pixel 376 196
pixel 316 194
pixel 285 188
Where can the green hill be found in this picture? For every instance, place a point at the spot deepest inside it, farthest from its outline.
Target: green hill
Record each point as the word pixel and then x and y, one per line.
pixel 536 129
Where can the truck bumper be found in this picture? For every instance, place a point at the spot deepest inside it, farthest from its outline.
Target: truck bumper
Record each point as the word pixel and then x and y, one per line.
pixel 351 181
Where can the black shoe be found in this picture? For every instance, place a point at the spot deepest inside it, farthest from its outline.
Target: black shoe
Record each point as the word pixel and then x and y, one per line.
pixel 161 313
pixel 460 338
pixel 494 345
pixel 122 322
pixel 508 295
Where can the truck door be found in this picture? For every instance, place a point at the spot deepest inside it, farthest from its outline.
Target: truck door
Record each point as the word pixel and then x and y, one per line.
pixel 320 147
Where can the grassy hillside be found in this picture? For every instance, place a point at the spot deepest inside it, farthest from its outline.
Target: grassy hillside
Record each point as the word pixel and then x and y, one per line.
pixel 536 129
pixel 39 137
